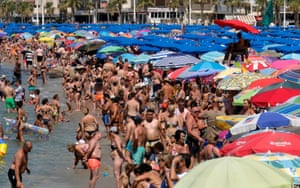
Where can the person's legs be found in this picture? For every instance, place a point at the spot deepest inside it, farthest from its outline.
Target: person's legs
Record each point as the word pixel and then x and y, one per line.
pixel 117 168
pixel 94 176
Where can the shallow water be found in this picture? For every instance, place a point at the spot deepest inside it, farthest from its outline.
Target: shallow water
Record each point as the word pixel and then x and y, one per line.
pixel 50 161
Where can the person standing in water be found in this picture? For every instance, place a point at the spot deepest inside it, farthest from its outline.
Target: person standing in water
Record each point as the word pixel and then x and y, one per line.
pixel 93 158
pixel 19 165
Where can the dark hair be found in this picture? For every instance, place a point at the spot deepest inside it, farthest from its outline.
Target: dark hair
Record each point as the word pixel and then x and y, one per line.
pixel 177 134
pixel 158 147
pixel 187 159
pixel 142 168
pixel 137 120
pixel 44 101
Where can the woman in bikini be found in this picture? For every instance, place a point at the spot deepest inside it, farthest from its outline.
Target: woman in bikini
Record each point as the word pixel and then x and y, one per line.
pixel 117 153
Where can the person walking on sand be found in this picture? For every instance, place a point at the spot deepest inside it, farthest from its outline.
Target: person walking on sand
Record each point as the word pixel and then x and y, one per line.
pixel 93 158
pixel 19 166
pixel 88 125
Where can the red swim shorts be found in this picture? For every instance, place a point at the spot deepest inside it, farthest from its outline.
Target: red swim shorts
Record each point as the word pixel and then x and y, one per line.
pixel 94 164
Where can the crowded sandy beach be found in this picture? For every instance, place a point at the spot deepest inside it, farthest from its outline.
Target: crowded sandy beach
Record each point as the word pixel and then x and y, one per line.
pixel 103 105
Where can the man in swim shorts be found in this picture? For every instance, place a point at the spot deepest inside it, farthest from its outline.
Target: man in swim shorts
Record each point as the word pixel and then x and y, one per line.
pixel 9 97
pixel 93 158
pixel 19 165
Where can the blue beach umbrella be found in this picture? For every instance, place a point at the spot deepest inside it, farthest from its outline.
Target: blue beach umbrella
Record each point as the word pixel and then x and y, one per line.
pixel 140 59
pixel 206 65
pixel 213 56
pixel 127 56
pixel 291 56
pixel 264 120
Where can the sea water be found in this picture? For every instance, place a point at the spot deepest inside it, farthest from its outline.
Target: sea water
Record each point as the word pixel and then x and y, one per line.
pixel 49 161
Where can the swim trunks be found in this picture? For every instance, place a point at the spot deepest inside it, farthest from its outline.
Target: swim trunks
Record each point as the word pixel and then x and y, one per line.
pixel 106 119
pixel 94 164
pixel 12 177
pixel 98 97
pixel 31 88
pixel 10 103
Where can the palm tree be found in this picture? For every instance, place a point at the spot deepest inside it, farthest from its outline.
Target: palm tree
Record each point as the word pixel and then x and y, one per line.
pixel 234 4
pixel 142 5
pixel 89 5
pixel 49 10
pixel 277 4
pixel 114 6
pixel 294 5
pixel 261 5
pixel 73 4
pixel 63 10
pixel 8 9
pixel 202 3
pixel 24 9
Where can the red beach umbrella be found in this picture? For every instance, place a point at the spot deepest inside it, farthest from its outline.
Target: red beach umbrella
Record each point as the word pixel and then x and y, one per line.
pixel 236 24
pixel 273 97
pixel 262 142
pixel 264 82
pixel 173 75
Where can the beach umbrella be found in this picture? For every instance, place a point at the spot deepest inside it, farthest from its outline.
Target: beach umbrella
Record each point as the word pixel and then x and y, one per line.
pixel 291 75
pixel 227 72
pixel 161 54
pixel 234 172
pixel 92 45
pixel 262 142
pixel 270 53
pixel 264 120
pixel 284 63
pixel 187 74
pixel 76 45
pixel 288 68
pixel 237 24
pixel 291 56
pixel 213 56
pixel 291 106
pixel 287 163
pixel 206 65
pixel 256 63
pixel 275 94
pixel 111 49
pixel 46 39
pixel 264 82
pixel 26 35
pixel 268 71
pixel 270 46
pixel 141 59
pixel 227 121
pixel 127 56
pixel 176 61
pixel 294 100
pixel 174 74
pixel 238 99
pixel 287 108
pixel 239 81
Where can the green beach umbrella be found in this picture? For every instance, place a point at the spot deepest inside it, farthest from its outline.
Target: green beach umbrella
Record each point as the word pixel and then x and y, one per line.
pixel 111 49
pixel 238 100
pixel 234 172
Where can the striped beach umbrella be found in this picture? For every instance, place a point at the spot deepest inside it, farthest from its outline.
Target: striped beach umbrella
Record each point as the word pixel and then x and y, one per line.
pixel 287 163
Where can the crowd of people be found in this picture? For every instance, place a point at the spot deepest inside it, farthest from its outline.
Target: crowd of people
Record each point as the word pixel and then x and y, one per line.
pixel 158 128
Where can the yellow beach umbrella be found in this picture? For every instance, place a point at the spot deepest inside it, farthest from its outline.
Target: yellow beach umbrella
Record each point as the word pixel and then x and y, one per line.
pixel 227 72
